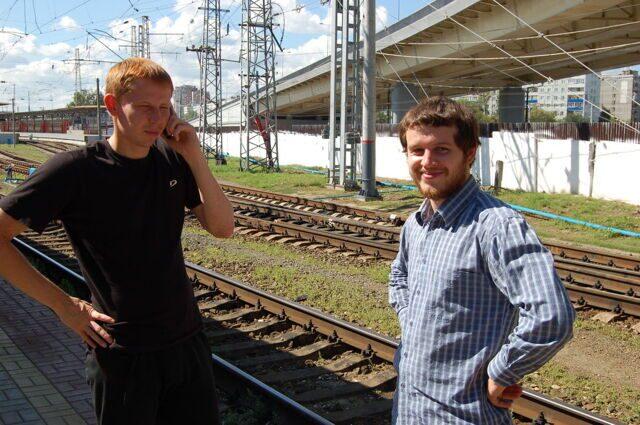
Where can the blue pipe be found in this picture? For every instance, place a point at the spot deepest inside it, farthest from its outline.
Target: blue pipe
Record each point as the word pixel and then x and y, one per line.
pixel 538 213
pixel 574 221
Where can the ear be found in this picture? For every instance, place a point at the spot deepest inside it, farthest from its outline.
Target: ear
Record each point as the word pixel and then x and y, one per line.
pixel 471 155
pixel 111 104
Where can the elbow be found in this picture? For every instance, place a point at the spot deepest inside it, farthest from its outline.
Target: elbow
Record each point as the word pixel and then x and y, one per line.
pixel 223 231
pixel 563 329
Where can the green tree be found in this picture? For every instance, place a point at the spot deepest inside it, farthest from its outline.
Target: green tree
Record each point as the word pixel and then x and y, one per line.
pixel 540 115
pixel 383 117
pixel 84 97
pixel 479 109
pixel 573 117
pixel 190 114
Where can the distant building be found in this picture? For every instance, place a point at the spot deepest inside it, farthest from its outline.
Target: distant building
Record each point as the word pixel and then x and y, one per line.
pixel 186 97
pixel 618 92
pixel 577 95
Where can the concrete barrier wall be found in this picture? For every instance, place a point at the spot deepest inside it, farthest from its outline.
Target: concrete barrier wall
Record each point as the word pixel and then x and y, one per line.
pixel 6 138
pixel 563 165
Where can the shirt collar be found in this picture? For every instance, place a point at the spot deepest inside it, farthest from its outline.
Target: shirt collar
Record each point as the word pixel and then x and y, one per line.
pixel 453 206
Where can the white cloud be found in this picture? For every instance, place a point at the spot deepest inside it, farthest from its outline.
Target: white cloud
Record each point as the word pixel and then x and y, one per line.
pixel 68 23
pixel 303 55
pixel 382 18
pixel 301 20
pixel 55 49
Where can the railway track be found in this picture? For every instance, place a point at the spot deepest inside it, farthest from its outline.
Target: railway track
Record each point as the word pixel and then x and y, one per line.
pixel 50 147
pixel 314 367
pixel 17 163
pixel 594 277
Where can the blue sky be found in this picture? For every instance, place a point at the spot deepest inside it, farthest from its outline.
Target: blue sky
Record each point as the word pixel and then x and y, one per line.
pixel 36 36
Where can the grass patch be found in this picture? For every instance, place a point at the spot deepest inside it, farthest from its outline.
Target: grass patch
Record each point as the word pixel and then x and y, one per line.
pixel 613 332
pixel 27 151
pixel 290 180
pixel 338 297
pixel 585 392
pixel 351 292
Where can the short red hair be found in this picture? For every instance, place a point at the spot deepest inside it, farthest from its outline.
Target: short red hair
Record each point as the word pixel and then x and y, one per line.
pixel 122 75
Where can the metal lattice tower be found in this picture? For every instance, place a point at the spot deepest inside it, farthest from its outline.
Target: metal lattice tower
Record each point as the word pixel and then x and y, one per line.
pixel 258 119
pixel 143 38
pixel 134 41
pixel 140 41
pixel 210 58
pixel 345 94
pixel 76 69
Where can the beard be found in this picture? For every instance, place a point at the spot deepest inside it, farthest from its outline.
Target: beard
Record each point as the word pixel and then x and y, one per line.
pixel 455 178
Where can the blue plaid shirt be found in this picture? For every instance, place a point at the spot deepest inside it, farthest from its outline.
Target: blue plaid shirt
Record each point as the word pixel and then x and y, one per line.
pixel 477 296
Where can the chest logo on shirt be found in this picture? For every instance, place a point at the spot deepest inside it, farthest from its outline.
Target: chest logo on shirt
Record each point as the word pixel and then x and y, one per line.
pixel 173 183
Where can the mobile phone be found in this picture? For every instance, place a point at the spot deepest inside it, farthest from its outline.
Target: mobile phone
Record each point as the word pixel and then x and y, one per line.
pixel 172 112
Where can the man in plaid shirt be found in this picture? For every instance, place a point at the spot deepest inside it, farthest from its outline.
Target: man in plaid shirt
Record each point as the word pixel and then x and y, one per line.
pixel 479 302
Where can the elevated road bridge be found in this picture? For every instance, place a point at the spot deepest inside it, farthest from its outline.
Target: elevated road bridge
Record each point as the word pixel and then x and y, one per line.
pixel 468 46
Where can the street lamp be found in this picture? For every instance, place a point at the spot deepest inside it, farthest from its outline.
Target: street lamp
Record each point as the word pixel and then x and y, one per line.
pixel 13 111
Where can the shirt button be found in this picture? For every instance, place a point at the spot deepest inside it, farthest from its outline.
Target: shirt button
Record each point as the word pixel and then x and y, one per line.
pixel 418 292
pixel 405 354
pixel 411 323
pixel 401 385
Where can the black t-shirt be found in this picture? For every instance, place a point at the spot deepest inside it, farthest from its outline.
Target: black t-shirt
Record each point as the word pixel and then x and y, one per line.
pixel 124 218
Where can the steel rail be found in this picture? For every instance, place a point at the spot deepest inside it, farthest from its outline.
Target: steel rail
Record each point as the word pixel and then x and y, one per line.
pixel 307 202
pixel 531 405
pixel 378 249
pixel 391 233
pixel 605 288
pixel 595 255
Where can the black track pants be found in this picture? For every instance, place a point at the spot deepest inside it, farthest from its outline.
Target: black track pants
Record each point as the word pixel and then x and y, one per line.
pixel 170 386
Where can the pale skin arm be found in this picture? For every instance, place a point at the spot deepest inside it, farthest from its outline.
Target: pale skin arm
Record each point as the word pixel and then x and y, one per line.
pixel 215 213
pixel 75 313
pixel 501 396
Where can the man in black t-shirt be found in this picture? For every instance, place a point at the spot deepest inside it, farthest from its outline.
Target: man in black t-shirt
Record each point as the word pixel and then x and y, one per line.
pixel 122 204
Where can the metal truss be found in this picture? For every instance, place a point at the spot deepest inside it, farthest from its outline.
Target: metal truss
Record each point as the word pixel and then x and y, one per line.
pixel 140 42
pixel 258 119
pixel 77 71
pixel 210 58
pixel 346 88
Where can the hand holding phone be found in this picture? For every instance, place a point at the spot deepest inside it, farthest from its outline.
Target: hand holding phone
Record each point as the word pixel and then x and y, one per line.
pixel 181 135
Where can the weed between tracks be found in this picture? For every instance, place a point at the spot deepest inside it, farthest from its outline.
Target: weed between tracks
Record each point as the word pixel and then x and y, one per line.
pixel 356 292
pixel 622 403
pixel 26 151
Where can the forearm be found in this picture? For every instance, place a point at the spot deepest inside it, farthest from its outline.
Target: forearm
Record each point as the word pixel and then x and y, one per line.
pixel 218 212
pixel 15 268
pixel 545 324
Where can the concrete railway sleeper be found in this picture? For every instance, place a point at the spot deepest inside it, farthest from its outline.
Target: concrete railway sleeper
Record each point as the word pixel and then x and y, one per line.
pixel 606 284
pixel 567 250
pixel 311 366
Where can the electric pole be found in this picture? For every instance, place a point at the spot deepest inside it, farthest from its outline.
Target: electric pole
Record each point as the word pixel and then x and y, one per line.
pixel 346 77
pixel 76 68
pixel 13 115
pixel 369 190
pixel 258 118
pixel 210 58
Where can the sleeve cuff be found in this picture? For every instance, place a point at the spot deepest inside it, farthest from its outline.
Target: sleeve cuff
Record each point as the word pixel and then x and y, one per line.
pixel 499 372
